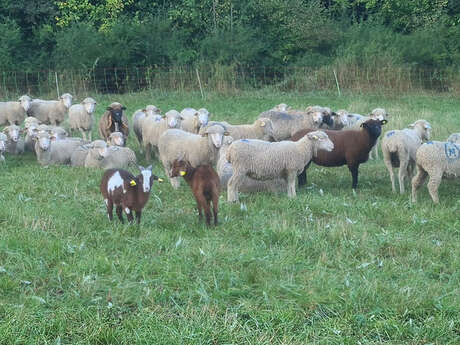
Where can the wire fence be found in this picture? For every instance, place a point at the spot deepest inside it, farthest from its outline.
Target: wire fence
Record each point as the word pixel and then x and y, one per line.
pixel 225 79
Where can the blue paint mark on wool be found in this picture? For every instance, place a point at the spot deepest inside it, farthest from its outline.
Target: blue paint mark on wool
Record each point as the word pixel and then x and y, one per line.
pixel 452 151
pixel 389 134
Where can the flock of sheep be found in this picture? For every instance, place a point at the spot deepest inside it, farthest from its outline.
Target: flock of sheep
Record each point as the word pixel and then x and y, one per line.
pixel 267 155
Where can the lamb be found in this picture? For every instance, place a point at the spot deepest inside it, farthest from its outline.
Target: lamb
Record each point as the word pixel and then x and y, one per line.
pixel 140 115
pixel 116 139
pixel 351 147
pixel 3 140
pixel 261 160
pixel 111 157
pixel 55 152
pixel 399 148
pixel 435 159
pixel 194 148
pixel 285 124
pixel 127 192
pixel 193 120
pixel 205 186
pixel 454 138
pixel 81 117
pixel 152 129
pixel 14 143
pixel 14 113
pixel 78 157
pixel 248 185
pixel 114 120
pixel 51 112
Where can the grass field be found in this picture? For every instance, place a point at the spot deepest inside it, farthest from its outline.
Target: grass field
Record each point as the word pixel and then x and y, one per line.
pixel 328 267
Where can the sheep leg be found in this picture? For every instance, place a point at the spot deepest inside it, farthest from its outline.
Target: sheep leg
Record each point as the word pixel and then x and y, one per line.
pixel 417 181
pixel 291 184
pixel 354 175
pixel 138 217
pixel 90 135
pixel 402 173
pixel 83 134
pixel 110 209
pixel 198 207
pixel 119 210
pixel 129 214
pixel 433 185
pixel 233 186
pixel 387 161
pixel 302 178
pixel 203 203
pixel 215 207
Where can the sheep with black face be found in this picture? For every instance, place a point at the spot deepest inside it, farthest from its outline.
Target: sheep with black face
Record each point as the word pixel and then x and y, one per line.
pixel 114 120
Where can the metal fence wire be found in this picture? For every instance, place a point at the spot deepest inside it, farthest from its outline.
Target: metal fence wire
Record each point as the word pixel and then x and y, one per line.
pixel 224 79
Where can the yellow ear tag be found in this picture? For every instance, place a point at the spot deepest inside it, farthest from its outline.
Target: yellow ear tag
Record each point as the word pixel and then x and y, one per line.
pixel 160 179
pixel 262 124
pixel 315 137
pixel 132 183
pixel 182 173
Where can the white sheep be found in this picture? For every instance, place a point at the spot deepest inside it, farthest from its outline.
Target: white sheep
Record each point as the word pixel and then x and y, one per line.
pixel 51 152
pixel 437 160
pixel 194 148
pixel 152 129
pixel 281 107
pixel 248 185
pixel 3 140
pixel 55 132
pixel 51 112
pixel 79 155
pixel 111 157
pixel 339 120
pixel 261 129
pixel 454 138
pixel 193 120
pixel 31 129
pixel 140 115
pixel 14 143
pixel 116 139
pixel 14 113
pixel 399 148
pixel 261 160
pixel 81 117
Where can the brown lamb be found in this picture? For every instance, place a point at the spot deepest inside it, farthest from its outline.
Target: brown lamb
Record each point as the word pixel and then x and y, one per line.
pixel 114 120
pixel 205 185
pixel 350 147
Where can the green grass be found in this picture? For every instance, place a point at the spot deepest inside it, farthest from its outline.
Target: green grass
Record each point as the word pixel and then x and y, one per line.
pixel 328 267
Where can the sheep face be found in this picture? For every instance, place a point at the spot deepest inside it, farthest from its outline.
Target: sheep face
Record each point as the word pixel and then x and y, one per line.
pixel 89 104
pixel 67 99
pixel 203 117
pixel 321 140
pixel 31 130
pixel 146 178
pixel 13 132
pixel 281 107
pixel 216 135
pixel 25 102
pixel 374 127
pixel 116 115
pixel 173 118
pixel 317 113
pixel 117 139
pixel 342 116
pixel 378 114
pixel 44 141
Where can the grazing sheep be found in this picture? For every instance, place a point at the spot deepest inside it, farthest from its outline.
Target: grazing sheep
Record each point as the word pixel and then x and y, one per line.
pixel 261 129
pixel 51 112
pixel 193 120
pixel 437 160
pixel 111 157
pixel 205 186
pixel 399 148
pixel 51 152
pixel 351 147
pixel 81 117
pixel 116 139
pixel 261 160
pixel 285 124
pixel 113 120
pixel 152 129
pixel 14 143
pixel 248 185
pixel 78 157
pixel 127 192
pixel 14 113
pixel 140 115
pixel 194 148
pixel 454 138
pixel 3 140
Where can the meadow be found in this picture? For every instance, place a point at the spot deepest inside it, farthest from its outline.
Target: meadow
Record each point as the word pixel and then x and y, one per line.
pixel 328 267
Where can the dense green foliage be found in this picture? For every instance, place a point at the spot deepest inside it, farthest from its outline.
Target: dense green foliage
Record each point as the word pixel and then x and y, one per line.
pixel 328 267
pixel 41 34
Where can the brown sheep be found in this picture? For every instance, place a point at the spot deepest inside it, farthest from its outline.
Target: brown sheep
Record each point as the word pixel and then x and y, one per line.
pixel 205 185
pixel 114 120
pixel 351 147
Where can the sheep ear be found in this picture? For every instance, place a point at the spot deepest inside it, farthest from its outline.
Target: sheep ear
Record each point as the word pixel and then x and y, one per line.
pixel 123 108
pixel 144 110
pixel 141 167
pixel 412 125
pixel 383 122
pixel 226 133
pixel 108 108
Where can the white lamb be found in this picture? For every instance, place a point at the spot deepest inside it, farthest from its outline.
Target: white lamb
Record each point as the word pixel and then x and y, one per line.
pixel 81 117
pixel 111 157
pixel 261 160
pixel 14 143
pixel 51 152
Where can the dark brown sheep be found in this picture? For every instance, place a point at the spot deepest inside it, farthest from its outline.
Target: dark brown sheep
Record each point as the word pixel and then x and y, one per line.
pixel 114 120
pixel 350 147
pixel 205 185
pixel 126 191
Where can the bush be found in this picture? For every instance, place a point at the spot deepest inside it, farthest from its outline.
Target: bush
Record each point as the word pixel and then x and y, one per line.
pixel 10 45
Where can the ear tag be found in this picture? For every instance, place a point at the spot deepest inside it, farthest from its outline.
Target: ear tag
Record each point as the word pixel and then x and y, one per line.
pixel 132 183
pixel 315 137
pixel 160 179
pixel 182 173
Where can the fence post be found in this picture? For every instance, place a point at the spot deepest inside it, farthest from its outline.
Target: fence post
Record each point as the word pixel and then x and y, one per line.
pixel 199 82
pixel 337 83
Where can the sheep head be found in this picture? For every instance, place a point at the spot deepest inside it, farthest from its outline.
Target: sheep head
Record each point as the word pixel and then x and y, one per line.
pixel 317 114
pixel 180 167
pixel 173 118
pixel 13 132
pixel 203 116
pixel 116 138
pixel 378 114
pixel 44 140
pixel 66 99
pixel 145 179
pixel 216 134
pixel 423 128
pixel 25 102
pixel 320 141
pixel 374 127
pixel 89 104
pixel 116 115
pixel 151 110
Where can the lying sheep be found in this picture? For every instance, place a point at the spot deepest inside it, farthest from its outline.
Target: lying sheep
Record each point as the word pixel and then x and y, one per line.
pixel 454 138
pixel 111 157
pixel 78 157
pixel 55 152
pixel 193 120
pixel 350 147
pixel 51 112
pixel 55 132
pixel 261 160
pixel 152 129
pixel 285 124
pixel 116 139
pixel 261 129
pixel 114 120
pixel 14 143
pixel 248 185
pixel 140 115
pixel 31 129
pixel 81 117
pixel 399 148
pixel 3 140
pixel 437 160
pixel 14 113
pixel 194 148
